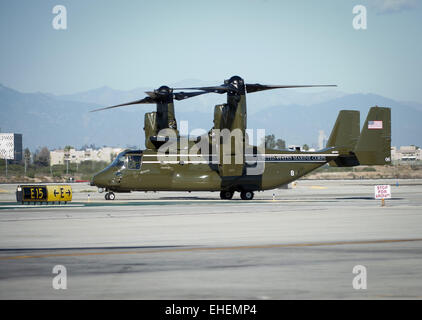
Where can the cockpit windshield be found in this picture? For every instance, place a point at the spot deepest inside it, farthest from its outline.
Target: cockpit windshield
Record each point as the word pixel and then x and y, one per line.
pixel 130 159
pixel 119 161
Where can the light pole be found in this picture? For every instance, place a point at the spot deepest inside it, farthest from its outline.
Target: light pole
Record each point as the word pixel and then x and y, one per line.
pixel 26 158
pixel 67 159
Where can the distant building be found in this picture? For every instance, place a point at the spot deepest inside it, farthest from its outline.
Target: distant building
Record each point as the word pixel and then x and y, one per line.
pixel 299 148
pixel 293 147
pixel 406 153
pixel 11 146
pixel 322 140
pixel 106 154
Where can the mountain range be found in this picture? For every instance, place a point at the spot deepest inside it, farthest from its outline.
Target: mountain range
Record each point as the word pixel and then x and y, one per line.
pixel 296 115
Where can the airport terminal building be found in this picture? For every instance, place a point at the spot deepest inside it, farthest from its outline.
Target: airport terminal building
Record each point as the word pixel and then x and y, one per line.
pixel 11 147
pixel 406 153
pixel 106 154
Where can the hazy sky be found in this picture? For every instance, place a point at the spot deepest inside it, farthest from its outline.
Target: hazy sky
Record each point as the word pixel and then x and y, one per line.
pixel 127 44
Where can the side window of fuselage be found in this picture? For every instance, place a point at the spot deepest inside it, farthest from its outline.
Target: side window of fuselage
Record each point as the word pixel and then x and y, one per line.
pixel 134 162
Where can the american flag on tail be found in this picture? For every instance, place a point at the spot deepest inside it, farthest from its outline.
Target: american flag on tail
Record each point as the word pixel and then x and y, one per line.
pixel 374 124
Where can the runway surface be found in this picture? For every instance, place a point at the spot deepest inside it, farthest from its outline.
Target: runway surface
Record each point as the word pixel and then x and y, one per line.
pixel 303 244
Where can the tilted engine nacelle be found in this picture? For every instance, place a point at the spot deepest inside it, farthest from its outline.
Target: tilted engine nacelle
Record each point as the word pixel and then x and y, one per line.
pixel 222 122
pixel 220 116
pixel 154 137
pixel 150 128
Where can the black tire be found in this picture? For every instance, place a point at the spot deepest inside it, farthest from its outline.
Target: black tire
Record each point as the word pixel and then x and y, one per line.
pixel 246 195
pixel 106 196
pixel 111 196
pixel 226 195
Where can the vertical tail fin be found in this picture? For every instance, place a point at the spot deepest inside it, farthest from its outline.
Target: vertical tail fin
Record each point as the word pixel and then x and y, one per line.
pixel 345 133
pixel 344 137
pixel 374 145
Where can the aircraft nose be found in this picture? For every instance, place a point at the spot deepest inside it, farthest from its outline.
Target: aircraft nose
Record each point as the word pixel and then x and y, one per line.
pixel 93 180
pixel 98 180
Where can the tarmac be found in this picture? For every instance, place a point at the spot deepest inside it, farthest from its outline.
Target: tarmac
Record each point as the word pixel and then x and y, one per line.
pixel 297 243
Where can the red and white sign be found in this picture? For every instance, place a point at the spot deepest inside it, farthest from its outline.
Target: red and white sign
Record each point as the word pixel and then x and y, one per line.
pixel 383 192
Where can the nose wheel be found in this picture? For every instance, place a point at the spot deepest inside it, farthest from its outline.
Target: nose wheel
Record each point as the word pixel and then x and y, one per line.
pixel 110 196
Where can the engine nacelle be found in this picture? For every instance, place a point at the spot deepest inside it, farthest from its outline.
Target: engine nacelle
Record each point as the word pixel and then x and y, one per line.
pixel 220 116
pixel 150 129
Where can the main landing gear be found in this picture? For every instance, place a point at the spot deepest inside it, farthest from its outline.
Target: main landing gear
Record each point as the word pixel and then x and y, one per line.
pixel 244 195
pixel 110 196
pixel 226 195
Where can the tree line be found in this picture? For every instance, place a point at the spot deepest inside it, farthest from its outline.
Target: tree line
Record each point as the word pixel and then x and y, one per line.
pixel 272 143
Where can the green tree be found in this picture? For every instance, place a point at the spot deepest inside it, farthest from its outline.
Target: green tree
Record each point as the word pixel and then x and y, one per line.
pixel 305 147
pixel 42 157
pixel 270 141
pixel 280 144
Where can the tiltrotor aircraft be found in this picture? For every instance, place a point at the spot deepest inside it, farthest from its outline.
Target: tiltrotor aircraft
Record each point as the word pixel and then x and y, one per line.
pixel 223 160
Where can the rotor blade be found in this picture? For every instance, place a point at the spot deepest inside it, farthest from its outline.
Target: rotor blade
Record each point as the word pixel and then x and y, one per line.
pixel 216 89
pixel 260 87
pixel 185 95
pixel 151 94
pixel 142 101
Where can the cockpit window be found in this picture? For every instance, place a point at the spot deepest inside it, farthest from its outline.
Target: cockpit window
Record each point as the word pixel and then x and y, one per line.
pixel 131 159
pixel 134 162
pixel 119 161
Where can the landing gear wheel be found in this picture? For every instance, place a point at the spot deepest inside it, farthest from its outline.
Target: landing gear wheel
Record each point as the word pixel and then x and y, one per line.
pixel 109 196
pixel 226 195
pixel 246 195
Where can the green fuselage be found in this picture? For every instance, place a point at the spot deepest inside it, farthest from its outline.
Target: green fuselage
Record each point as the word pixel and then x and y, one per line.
pixel 176 173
